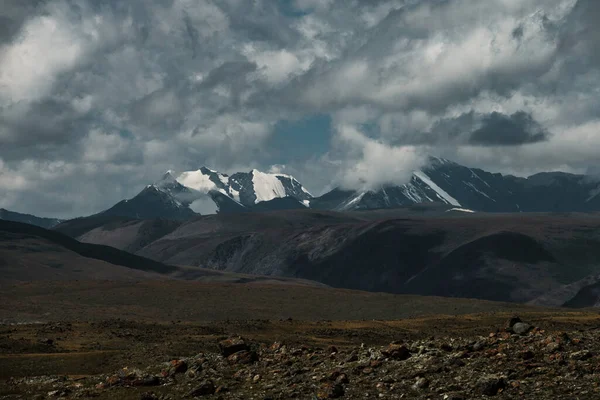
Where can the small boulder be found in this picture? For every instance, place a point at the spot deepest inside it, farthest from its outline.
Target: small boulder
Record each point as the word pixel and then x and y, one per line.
pixel 581 355
pixel 243 357
pixel 178 367
pixel 420 384
pixel 521 328
pixel 553 347
pixel 396 351
pixel 330 391
pixel 511 322
pixel 491 385
pixel 232 345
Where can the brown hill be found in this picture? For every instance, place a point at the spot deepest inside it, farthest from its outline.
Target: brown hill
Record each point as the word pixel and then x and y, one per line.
pixel 502 257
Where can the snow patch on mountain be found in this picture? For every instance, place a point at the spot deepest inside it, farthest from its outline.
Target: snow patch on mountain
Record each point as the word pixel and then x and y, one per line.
pixel 266 186
pixel 469 184
pixel 353 201
pixel 441 192
pixel 465 210
pixel 593 194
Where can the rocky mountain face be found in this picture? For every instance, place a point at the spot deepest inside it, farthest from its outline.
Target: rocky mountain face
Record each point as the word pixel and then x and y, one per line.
pixel 471 188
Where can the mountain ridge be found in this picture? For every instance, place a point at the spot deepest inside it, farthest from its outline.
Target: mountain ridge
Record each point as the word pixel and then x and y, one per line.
pixel 180 196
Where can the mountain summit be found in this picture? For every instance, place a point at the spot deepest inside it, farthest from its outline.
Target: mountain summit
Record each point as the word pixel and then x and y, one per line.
pixel 206 191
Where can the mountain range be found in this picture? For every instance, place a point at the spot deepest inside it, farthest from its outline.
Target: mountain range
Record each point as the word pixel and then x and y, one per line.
pixel 450 231
pixel 205 191
pixel 180 196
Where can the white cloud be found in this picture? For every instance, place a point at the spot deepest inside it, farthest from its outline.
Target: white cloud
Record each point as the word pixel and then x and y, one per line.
pixel 376 164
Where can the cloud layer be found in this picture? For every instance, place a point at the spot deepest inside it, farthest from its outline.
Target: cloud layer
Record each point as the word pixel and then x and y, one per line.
pixel 98 98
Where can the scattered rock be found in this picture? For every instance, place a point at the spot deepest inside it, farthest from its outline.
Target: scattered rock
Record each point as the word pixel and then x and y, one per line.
pixel 480 345
pixel 232 345
pixel 553 347
pixel 330 391
pixel 446 347
pixel 511 323
pixel 491 385
pixel 343 378
pixel 352 357
pixel 421 383
pixel 149 396
pixel 521 328
pixel 243 357
pixel 454 396
pixel 396 352
pixel 179 366
pixel 59 393
pixel 581 355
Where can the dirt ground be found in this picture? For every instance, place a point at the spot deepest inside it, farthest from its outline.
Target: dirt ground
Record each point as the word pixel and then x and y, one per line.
pixel 74 340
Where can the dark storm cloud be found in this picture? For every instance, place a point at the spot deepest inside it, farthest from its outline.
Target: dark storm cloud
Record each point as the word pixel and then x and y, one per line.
pixel 13 14
pixel 47 122
pixel 508 130
pixel 494 129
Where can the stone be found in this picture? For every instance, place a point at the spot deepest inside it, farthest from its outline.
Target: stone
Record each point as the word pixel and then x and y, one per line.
pixel 581 355
pixel 330 391
pixel 396 352
pixel 521 328
pixel 178 366
pixel 553 347
pixel 352 357
pixel 454 396
pixel 342 378
pixel 421 383
pixel 491 385
pixel 243 357
pixel 232 345
pixel 511 322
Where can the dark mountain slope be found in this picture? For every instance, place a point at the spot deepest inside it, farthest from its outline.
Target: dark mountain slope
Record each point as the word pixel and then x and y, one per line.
pixel 11 232
pixel 28 219
pixel 151 203
pixel 420 250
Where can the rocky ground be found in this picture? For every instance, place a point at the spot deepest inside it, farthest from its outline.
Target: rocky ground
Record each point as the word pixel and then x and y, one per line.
pixel 512 361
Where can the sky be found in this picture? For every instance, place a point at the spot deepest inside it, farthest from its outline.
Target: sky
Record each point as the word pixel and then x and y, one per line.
pixel 98 98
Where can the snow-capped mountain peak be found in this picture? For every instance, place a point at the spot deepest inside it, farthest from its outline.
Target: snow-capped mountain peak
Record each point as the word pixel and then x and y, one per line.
pixel 239 191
